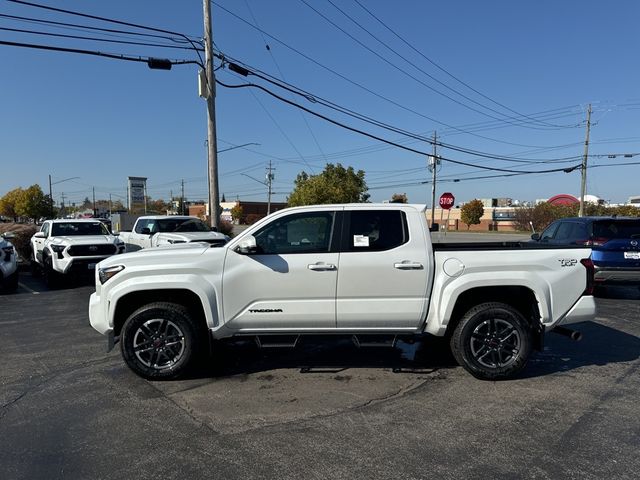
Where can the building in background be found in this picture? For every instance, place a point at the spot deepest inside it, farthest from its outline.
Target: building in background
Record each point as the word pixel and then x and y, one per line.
pixel 251 211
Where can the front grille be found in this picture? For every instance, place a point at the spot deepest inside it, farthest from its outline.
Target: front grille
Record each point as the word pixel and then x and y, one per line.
pixel 91 250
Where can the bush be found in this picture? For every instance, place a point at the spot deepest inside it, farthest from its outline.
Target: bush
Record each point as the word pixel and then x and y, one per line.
pixel 544 213
pixel 253 218
pixel 23 234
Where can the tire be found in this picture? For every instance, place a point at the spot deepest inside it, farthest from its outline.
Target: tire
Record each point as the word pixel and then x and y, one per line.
pixel 51 277
pixel 160 341
pixel 493 341
pixel 11 283
pixel 36 269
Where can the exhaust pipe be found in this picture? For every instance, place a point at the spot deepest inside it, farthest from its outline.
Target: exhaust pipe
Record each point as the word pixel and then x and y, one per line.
pixel 567 332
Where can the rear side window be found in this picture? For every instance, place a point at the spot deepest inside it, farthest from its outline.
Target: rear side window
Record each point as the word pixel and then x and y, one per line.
pixel 616 229
pixel 376 230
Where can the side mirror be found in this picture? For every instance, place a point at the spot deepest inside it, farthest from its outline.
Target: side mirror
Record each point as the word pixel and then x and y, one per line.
pixel 40 235
pixel 247 246
pixel 536 237
pixel 435 227
pixel 214 229
pixel 145 231
pixel 8 235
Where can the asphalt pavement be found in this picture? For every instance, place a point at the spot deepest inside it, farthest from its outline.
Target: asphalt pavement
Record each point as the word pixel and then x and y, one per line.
pixel 326 410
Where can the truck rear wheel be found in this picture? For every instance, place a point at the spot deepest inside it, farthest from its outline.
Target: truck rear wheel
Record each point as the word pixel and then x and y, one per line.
pixel 492 341
pixel 160 341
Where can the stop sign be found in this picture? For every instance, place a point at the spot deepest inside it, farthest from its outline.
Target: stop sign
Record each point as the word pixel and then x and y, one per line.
pixel 446 200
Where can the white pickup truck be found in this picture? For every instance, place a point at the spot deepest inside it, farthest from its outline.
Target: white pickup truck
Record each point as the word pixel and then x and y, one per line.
pixel 71 246
pixel 158 230
pixel 364 270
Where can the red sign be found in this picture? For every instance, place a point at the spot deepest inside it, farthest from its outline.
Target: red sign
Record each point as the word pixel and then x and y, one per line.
pixel 446 200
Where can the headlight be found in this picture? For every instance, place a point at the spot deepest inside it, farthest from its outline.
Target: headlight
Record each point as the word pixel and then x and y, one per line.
pixel 58 249
pixel 105 274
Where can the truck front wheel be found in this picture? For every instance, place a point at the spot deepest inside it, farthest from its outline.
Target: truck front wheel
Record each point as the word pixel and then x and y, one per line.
pixel 160 341
pixel 492 341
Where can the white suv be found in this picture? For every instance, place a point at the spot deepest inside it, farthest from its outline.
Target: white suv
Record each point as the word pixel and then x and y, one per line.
pixel 8 263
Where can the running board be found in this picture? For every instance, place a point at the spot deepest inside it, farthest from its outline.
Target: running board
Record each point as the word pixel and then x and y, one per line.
pixel 372 340
pixel 277 341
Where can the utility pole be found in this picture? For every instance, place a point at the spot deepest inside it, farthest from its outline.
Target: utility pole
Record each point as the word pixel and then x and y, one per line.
pixel 51 197
pixel 182 198
pixel 110 207
pixel 433 163
pixel 270 178
pixel 94 200
pixel 583 183
pixel 212 141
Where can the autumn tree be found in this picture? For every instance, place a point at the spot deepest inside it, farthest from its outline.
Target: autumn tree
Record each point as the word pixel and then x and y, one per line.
pixel 399 198
pixel 33 203
pixel 8 203
pixel 471 213
pixel 335 184
pixel 236 213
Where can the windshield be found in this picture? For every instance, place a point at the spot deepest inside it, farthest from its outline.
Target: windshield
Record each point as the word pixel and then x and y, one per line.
pixel 617 229
pixel 78 228
pixel 182 225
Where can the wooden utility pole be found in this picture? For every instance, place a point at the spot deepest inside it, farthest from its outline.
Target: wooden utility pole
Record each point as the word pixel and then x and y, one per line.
pixel 270 177
pixel 433 163
pixel 212 141
pixel 583 183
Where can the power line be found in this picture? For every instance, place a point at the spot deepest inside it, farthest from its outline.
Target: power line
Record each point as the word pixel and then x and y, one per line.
pixel 352 82
pixel 375 137
pixel 93 39
pixel 117 56
pixel 315 99
pixel 372 51
pixel 443 69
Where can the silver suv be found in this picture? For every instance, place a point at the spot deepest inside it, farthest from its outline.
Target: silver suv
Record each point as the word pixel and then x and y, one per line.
pixel 8 263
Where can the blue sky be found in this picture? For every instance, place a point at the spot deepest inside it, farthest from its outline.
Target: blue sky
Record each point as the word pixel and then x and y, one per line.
pixel 529 70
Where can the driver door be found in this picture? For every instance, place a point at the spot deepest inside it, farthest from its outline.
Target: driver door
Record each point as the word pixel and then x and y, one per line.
pixel 290 281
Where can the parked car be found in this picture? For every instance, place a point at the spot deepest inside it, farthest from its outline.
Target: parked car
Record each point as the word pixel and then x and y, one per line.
pixel 8 263
pixel 157 230
pixel 365 270
pixel 71 246
pixel 615 243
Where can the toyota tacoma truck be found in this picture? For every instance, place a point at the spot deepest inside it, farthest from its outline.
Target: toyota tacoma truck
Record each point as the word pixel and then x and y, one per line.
pixel 157 230
pixel 63 247
pixel 366 270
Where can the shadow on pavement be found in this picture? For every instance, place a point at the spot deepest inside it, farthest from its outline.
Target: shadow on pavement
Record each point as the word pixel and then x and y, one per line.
pixel 600 345
pixel 326 354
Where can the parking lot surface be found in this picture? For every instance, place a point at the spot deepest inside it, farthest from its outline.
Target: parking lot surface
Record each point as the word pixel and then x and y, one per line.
pixel 324 410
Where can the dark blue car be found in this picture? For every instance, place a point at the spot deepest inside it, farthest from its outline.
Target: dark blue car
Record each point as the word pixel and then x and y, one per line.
pixel 615 243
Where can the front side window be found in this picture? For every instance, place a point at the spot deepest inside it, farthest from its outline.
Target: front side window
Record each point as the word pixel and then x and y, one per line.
pixel 549 233
pixel 377 230
pixel 45 229
pixel 297 233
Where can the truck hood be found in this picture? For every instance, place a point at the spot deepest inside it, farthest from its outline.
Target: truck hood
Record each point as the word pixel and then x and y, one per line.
pixel 180 254
pixel 84 240
pixel 193 236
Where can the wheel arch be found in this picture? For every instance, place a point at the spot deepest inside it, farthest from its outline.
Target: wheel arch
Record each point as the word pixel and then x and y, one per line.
pixel 130 302
pixel 521 298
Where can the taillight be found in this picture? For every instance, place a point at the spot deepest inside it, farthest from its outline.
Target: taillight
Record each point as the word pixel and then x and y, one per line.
pixel 597 241
pixel 588 264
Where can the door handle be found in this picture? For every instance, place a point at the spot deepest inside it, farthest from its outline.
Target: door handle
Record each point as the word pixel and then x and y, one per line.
pixel 406 265
pixel 319 267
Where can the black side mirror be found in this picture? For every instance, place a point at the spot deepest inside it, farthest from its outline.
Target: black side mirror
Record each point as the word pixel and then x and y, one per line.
pixel 536 237
pixel 146 231
pixel 435 227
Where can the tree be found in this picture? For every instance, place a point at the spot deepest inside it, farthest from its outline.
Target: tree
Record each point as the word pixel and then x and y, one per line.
pixel 157 206
pixel 335 184
pixel 471 213
pixel 236 213
pixel 399 198
pixel 32 203
pixel 8 203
